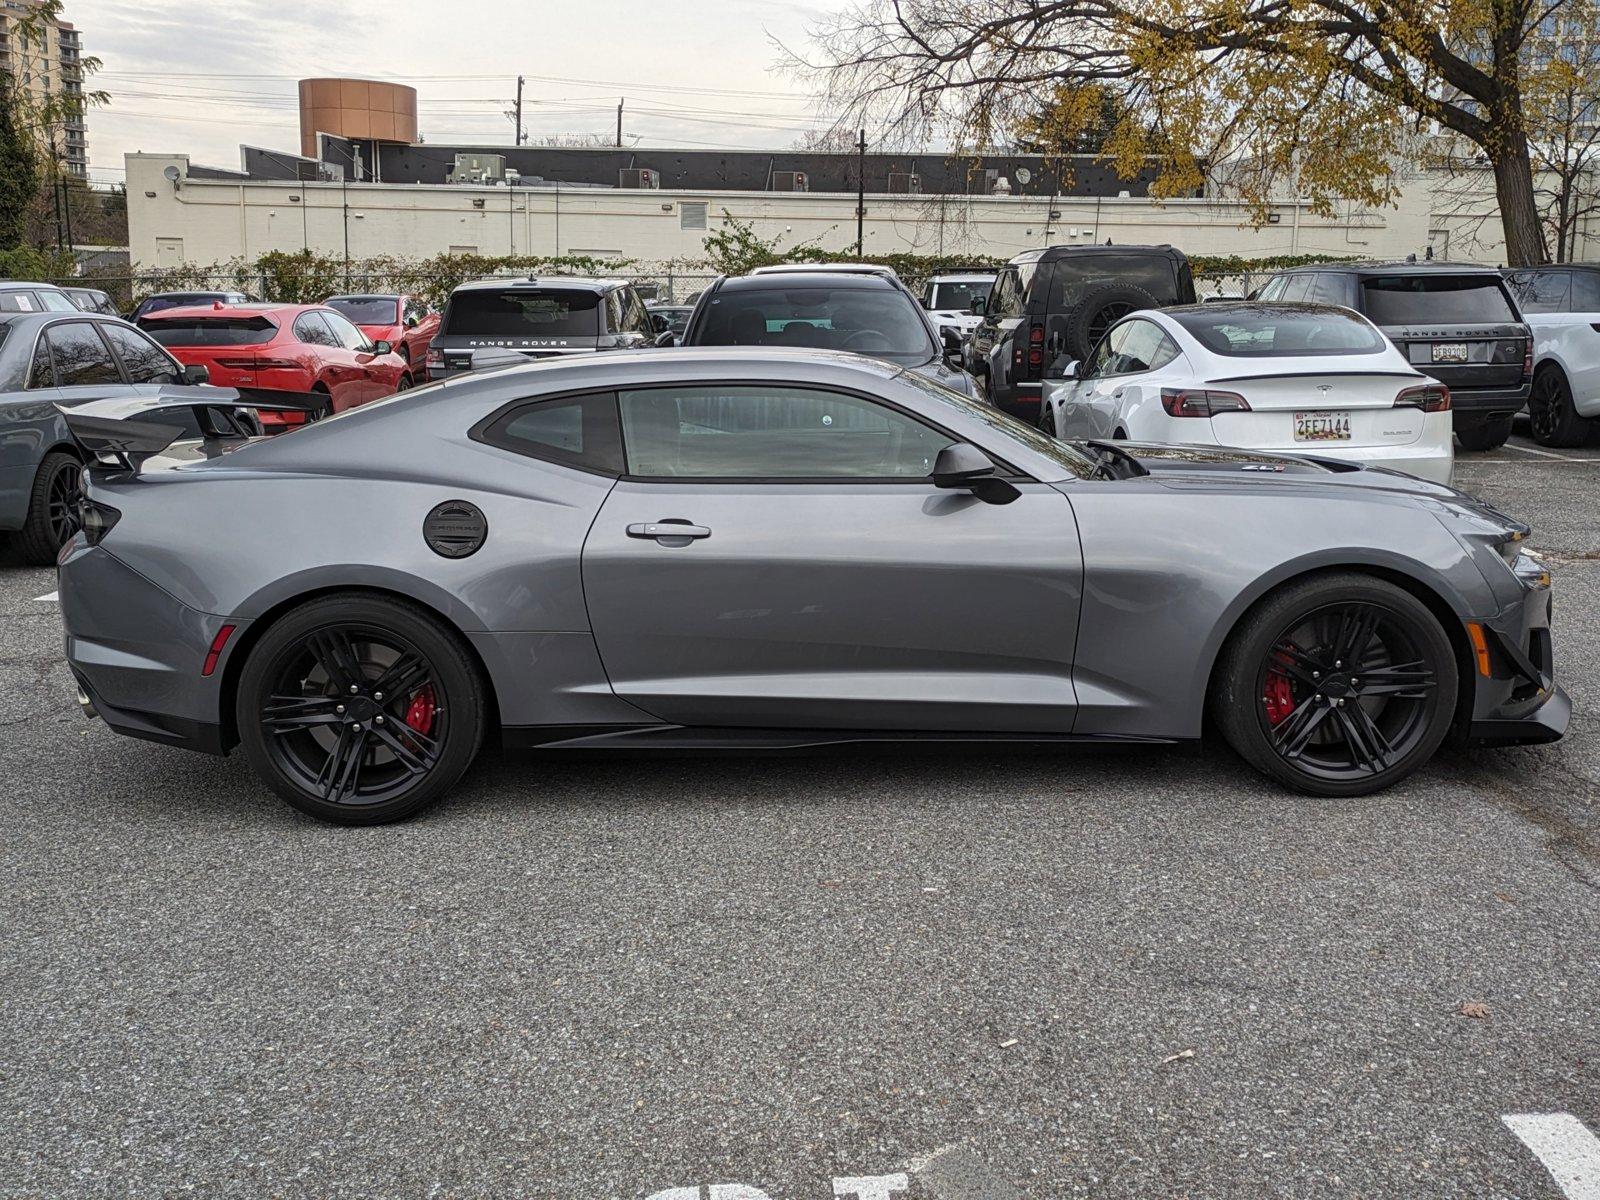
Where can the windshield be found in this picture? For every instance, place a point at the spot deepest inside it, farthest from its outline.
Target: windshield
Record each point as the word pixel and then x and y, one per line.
pixel 157 304
pixel 1005 424
pixel 210 331
pixel 524 312
pixel 958 297
pixel 878 321
pixel 368 310
pixel 1268 330
pixel 1431 299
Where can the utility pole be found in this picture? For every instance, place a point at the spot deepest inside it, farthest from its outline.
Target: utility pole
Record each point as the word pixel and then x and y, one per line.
pixel 861 194
pixel 620 100
pixel 520 134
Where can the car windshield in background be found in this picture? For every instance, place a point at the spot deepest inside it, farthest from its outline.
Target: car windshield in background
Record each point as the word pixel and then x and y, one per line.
pixel 1268 330
pixel 1430 299
pixel 958 297
pixel 524 313
pixel 674 318
pixel 1004 423
pixel 878 321
pixel 161 303
pixel 368 310
pixel 211 331
pixel 1072 274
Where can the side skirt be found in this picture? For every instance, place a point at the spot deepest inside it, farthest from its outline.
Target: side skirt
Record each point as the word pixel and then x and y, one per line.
pixel 687 737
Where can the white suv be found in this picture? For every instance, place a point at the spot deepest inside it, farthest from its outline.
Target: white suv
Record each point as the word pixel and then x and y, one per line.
pixel 948 298
pixel 1561 304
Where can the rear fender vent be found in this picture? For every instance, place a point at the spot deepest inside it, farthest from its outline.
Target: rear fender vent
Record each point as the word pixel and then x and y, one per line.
pixel 455 529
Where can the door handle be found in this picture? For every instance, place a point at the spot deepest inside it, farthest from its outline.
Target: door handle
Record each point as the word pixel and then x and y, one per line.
pixel 668 529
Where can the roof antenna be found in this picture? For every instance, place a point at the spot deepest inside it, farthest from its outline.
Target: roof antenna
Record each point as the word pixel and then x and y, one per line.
pixel 1428 253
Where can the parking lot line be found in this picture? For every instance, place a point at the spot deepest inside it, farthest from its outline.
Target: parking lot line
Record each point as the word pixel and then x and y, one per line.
pixel 48 598
pixel 1566 1147
pixel 1542 453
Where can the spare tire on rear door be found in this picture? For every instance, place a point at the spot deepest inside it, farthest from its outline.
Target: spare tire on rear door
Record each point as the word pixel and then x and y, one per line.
pixel 1101 306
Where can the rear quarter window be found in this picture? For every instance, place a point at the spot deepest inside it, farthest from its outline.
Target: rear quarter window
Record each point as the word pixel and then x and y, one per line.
pixel 1428 299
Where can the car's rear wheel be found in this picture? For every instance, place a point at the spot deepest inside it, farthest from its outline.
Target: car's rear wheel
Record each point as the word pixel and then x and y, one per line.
pixel 404 385
pixel 1552 415
pixel 52 509
pixel 1490 435
pixel 1047 420
pixel 1339 685
pixel 360 709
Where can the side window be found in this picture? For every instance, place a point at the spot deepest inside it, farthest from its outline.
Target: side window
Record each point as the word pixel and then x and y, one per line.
pixel 1135 347
pixel 1099 359
pixel 614 314
pixel 765 432
pixel 144 361
pixel 346 334
pixel 1273 289
pixel 1296 288
pixel 1007 298
pixel 415 309
pixel 310 328
pixel 638 318
pixel 577 432
pixel 1166 351
pixel 1546 292
pixel 1586 292
pixel 55 301
pixel 40 373
pixel 1029 278
pixel 1327 288
pixel 81 358
pixel 13 301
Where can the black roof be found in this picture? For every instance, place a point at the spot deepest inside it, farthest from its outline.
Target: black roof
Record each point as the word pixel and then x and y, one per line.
pixel 575 283
pixel 1397 267
pixel 1054 253
pixel 781 281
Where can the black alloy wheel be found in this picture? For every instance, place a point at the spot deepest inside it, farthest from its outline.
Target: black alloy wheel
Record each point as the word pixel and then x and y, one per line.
pixel 360 709
pixel 1338 686
pixel 1552 416
pixel 52 518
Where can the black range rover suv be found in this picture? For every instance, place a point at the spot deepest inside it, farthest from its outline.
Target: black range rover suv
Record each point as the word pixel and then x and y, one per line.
pixel 1456 322
pixel 538 318
pixel 1059 301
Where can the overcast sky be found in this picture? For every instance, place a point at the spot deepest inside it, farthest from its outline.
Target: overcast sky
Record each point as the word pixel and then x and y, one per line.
pixel 201 77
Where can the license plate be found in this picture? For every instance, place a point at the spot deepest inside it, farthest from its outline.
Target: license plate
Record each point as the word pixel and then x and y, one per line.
pixel 1449 352
pixel 1322 427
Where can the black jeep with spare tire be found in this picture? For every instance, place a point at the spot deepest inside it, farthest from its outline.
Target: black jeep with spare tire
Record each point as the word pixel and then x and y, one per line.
pixel 1059 301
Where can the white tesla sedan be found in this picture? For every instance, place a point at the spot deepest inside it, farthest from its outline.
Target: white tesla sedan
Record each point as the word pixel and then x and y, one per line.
pixel 1301 378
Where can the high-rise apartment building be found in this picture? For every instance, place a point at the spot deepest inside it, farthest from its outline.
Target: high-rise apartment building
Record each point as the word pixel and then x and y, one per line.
pixel 45 67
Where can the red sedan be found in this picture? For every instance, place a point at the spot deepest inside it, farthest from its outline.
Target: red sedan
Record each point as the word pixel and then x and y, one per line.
pixel 286 347
pixel 406 322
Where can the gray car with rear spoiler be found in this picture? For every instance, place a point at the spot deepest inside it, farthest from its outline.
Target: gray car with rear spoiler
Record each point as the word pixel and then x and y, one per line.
pixel 549 317
pixel 54 361
pixel 766 549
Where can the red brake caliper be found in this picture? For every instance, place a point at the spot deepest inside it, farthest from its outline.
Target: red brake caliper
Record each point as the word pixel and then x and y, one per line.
pixel 419 713
pixel 1278 696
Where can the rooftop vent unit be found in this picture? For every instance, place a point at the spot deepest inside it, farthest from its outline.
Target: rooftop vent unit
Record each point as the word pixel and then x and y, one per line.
pixel 904 182
pixel 478 168
pixel 790 181
pixel 638 177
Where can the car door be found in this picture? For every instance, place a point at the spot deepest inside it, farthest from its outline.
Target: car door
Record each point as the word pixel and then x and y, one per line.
pixel 1085 413
pixel 777 556
pixel 366 376
pixel 1002 312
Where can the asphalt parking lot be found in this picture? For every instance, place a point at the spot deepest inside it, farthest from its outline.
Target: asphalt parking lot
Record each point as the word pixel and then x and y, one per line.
pixel 1115 974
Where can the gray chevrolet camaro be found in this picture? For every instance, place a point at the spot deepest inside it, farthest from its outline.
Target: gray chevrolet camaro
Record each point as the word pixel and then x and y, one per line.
pixel 772 549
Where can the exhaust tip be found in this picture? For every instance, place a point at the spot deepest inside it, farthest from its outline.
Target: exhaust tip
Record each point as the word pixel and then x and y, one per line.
pixel 86 704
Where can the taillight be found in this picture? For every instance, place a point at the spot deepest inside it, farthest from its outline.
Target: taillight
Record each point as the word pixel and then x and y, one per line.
pixel 1036 346
pixel 217 643
pixel 96 519
pixel 435 357
pixel 237 364
pixel 1527 360
pixel 1197 402
pixel 1429 397
pixel 277 364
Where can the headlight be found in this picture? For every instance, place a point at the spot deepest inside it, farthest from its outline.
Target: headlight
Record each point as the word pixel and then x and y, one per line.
pixel 1530 570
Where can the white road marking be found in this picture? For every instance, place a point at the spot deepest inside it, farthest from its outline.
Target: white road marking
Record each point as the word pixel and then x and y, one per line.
pixel 1542 453
pixel 871 1187
pixel 1566 1148
pixel 48 598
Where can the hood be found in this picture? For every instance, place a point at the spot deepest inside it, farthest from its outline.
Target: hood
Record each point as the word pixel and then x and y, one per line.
pixel 1194 464
pixel 942 373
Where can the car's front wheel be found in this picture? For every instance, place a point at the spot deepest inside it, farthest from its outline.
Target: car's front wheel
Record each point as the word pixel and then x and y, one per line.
pixel 1339 685
pixel 360 709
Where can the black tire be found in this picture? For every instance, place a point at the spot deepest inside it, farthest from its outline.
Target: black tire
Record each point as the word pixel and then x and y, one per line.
pixel 1099 306
pixel 405 383
pixel 1338 733
pixel 1489 435
pixel 1047 420
pixel 1553 417
pixel 320 727
pixel 52 509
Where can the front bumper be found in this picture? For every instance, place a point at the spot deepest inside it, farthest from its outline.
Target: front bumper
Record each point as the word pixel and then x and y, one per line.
pixel 1516 700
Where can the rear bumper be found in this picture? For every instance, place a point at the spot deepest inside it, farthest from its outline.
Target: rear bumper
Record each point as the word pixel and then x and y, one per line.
pixel 137 652
pixel 1476 406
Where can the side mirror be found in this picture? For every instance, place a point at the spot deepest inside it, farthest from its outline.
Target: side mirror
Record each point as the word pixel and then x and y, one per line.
pixel 964 467
pixel 980 305
pixel 194 374
pixel 1063 368
pixel 666 339
pixel 952 343
pixel 382 347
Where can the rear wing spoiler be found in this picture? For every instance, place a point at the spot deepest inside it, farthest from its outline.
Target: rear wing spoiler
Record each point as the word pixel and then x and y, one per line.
pixel 121 434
